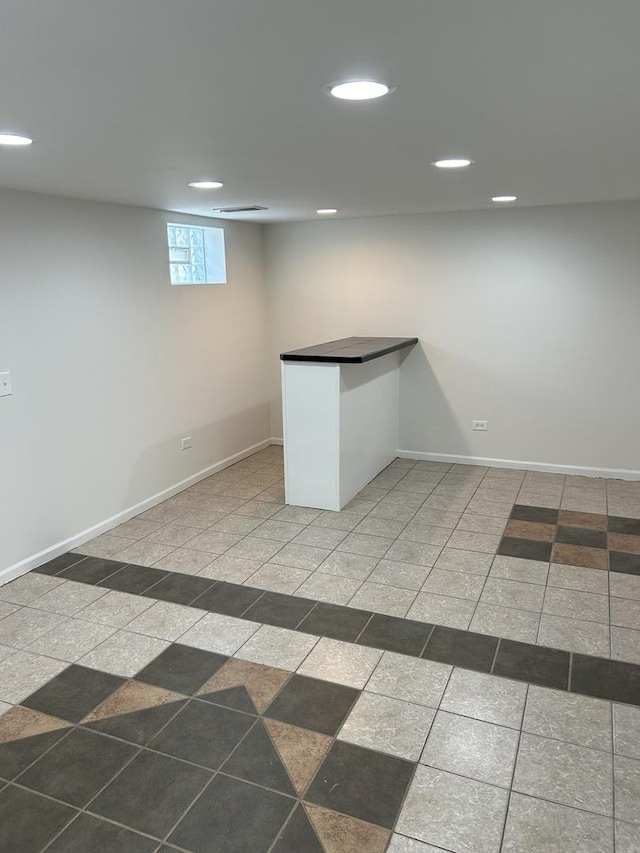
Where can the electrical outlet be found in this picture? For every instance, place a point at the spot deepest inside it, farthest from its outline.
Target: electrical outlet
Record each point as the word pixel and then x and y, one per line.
pixel 185 444
pixel 482 426
pixel 5 384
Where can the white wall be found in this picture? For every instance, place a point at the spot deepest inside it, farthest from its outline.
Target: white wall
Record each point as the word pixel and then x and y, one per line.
pixel 529 318
pixel 111 366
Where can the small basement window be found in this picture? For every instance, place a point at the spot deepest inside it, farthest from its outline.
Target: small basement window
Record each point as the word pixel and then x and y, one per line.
pixel 196 254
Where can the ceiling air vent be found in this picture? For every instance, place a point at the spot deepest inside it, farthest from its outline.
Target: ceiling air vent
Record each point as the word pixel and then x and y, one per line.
pixel 251 208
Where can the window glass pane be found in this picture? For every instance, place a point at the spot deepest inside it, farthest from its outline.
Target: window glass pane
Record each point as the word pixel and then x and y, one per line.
pixel 196 254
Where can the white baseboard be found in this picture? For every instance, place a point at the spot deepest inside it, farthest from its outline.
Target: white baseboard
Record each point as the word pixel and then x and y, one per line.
pixel 78 539
pixel 576 470
pixel 277 441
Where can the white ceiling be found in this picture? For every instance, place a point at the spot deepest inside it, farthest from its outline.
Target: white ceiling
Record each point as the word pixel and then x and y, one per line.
pixel 131 99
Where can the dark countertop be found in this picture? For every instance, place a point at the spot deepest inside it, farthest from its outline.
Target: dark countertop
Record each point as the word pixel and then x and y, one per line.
pixel 349 350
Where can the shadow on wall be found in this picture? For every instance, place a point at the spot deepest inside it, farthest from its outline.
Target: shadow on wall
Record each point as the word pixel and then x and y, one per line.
pixel 425 413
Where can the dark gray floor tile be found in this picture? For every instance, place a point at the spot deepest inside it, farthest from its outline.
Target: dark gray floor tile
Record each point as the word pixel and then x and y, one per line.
pixel 182 668
pixel 461 648
pixel 151 793
pixel 228 598
pixel 606 679
pixel 88 834
pixel 241 818
pixel 58 564
pixel 283 611
pixel 203 733
pixel 91 570
pixel 74 693
pixel 536 664
pixel 395 635
pixel 541 514
pixel 77 767
pixel 179 588
pixel 134 579
pixel 335 621
pixel 362 783
pixel 313 704
pixel 28 821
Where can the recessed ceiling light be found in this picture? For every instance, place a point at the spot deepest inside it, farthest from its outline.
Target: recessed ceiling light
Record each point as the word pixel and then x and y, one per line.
pixel 504 198
pixel 14 139
pixel 452 163
pixel 325 211
pixel 359 90
pixel 206 185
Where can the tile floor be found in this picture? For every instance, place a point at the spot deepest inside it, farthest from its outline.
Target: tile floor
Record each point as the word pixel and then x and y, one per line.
pixel 522 555
pixel 367 681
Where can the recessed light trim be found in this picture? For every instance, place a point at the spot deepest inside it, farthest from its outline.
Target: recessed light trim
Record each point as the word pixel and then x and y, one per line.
pixel 359 90
pixel 326 211
pixel 206 185
pixel 14 139
pixel 504 199
pixel 452 163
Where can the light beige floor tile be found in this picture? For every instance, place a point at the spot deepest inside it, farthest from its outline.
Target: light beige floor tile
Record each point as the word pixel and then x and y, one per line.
pixel 393 601
pixel 107 545
pixel 574 635
pixel 506 622
pixel 626 730
pixel 21 628
pixel 410 679
pixel 277 647
pixel 278 531
pixel 218 633
pixel 375 526
pixel 23 673
pixel 329 588
pixel 276 578
pixel 481 524
pixel 259 508
pixel 625 644
pixel 568 716
pixel 625 612
pixel 200 518
pixel 435 802
pixel 28 588
pixel 173 534
pixel 185 561
pixel 574 577
pixel 254 548
pixel 240 525
pixel 365 545
pixel 507 593
pixel 354 566
pixel 464 561
pixel 388 725
pixel 343 663
pixel 627 840
pixel 164 513
pixel 123 653
pixel 518 569
pixel 394 573
pixel 301 556
pixel 144 553
pixel 427 534
pixel 577 605
pixel 455 584
pixel 565 773
pixel 413 552
pixel 136 528
pixel 536 826
pixel 485 697
pixel 165 620
pixel 214 541
pixel 231 569
pixel 115 608
pixel 71 640
pixel 320 537
pixel 69 598
pixel 469 541
pixel 623 585
pixel 482 751
pixel 438 518
pixel 442 610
